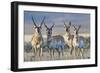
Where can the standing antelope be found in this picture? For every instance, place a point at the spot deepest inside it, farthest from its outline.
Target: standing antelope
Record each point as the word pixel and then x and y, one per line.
pixel 54 43
pixel 69 37
pixel 78 41
pixel 37 39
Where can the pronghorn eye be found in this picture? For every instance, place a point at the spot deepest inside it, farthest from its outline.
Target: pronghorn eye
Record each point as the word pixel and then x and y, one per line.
pixel 35 27
pixel 66 29
pixel 46 29
pixel 51 29
pixel 74 30
pixel 39 27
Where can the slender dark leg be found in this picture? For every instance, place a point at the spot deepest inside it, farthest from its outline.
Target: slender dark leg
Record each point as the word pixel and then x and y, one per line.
pixel 62 51
pixel 82 52
pixel 51 53
pixel 59 54
pixel 71 50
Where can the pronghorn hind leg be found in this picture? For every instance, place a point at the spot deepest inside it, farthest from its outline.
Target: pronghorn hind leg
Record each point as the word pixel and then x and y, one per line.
pixel 79 50
pixel 74 52
pixel 58 53
pixel 41 51
pixel 53 51
pixel 82 53
pixel 62 50
pixel 33 52
pixel 48 50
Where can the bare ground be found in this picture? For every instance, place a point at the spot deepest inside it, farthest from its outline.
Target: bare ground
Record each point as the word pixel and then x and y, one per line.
pixel 46 56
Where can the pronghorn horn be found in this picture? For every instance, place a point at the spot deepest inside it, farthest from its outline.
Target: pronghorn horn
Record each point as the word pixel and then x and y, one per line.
pixel 52 25
pixel 46 26
pixel 34 22
pixel 42 22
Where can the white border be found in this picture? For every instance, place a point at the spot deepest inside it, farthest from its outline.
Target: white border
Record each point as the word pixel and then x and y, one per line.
pixel 22 64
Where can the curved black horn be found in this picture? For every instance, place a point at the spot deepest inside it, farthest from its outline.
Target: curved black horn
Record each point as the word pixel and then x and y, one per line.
pixel 46 25
pixel 34 21
pixel 42 22
pixel 52 25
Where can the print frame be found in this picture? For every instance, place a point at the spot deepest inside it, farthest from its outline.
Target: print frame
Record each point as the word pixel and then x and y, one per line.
pixel 15 10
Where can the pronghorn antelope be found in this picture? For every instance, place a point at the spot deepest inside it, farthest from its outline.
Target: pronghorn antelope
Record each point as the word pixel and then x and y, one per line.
pixel 69 37
pixel 37 39
pixel 78 42
pixel 54 43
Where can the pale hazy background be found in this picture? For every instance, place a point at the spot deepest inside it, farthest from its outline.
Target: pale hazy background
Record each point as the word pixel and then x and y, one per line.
pixel 58 18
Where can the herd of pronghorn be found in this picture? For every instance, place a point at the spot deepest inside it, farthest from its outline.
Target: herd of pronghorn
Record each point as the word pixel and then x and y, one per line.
pixel 57 42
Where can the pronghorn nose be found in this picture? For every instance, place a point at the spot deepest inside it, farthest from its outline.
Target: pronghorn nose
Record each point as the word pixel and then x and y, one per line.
pixel 38 30
pixel 67 30
pixel 76 32
pixel 48 32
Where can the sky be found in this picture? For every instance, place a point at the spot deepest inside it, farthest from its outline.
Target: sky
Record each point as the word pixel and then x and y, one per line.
pixel 58 18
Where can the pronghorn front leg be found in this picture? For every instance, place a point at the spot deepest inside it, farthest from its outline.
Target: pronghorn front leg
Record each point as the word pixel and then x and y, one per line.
pixel 41 52
pixel 59 54
pixel 71 52
pixel 51 53
pixel 34 51
pixel 62 51
pixel 33 54
pixel 72 49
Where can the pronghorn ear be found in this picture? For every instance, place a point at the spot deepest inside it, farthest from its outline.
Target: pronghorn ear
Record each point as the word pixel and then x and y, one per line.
pixel 65 26
pixel 70 23
pixel 40 26
pixel 74 27
pixel 33 27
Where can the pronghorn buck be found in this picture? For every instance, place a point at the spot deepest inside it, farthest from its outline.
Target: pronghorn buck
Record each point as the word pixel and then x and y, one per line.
pixel 37 39
pixel 54 43
pixel 78 42
pixel 69 37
